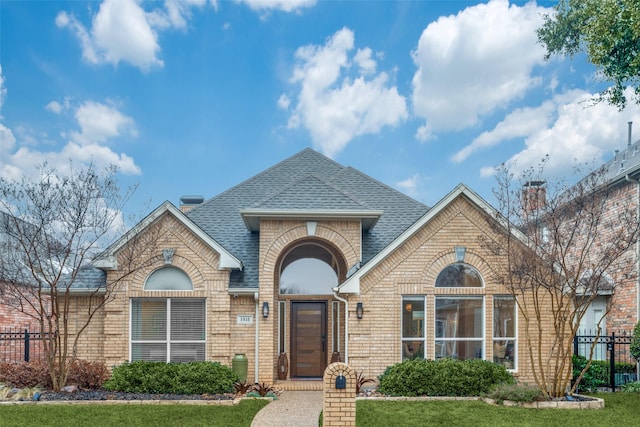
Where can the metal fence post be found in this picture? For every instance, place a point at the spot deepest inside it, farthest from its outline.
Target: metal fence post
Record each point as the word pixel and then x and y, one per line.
pixel 612 361
pixel 26 345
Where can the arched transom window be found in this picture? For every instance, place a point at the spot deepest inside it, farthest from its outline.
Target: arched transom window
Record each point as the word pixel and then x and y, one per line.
pixel 308 269
pixel 459 275
pixel 168 279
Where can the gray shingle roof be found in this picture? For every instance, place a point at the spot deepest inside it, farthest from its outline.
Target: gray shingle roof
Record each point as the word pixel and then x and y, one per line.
pixel 624 162
pixel 307 180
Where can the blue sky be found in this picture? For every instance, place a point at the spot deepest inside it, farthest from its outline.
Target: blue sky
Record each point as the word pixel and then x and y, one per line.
pixel 193 97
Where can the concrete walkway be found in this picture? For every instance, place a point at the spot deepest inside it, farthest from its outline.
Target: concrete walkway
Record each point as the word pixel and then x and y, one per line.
pixel 291 409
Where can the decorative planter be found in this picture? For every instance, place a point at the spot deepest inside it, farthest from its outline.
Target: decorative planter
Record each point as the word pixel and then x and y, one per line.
pixel 240 365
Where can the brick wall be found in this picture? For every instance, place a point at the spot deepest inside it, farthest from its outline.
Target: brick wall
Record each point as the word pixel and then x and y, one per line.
pixel 375 340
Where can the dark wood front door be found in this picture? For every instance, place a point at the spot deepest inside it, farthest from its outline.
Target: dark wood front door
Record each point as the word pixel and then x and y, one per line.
pixel 308 338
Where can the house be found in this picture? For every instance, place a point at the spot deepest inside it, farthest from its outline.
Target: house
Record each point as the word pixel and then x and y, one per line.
pixel 622 177
pixel 306 263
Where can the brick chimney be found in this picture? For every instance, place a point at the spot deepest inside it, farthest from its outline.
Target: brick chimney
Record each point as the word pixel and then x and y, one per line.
pixel 189 202
pixel 534 196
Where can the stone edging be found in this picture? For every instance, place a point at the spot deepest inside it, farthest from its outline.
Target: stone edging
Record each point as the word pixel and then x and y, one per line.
pixel 595 403
pixel 228 402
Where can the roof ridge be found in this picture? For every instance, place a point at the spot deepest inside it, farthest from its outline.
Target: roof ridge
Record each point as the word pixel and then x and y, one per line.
pixel 264 172
pixel 380 183
pixel 318 178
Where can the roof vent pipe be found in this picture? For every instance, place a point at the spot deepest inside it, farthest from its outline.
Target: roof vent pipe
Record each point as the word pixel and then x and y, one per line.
pixel 630 127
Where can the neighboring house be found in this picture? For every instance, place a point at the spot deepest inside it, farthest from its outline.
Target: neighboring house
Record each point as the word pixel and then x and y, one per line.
pixel 308 262
pixel 11 318
pixel 622 174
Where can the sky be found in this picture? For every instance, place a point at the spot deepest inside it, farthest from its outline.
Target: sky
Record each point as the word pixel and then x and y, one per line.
pixel 192 97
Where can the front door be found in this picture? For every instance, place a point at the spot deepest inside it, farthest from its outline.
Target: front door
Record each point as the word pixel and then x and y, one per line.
pixel 308 338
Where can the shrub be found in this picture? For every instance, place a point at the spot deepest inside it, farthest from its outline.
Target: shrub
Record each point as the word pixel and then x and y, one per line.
pixel 445 377
pixel 596 375
pixel 263 389
pixel 515 392
pixel 633 387
pixel 25 374
pixel 88 375
pixel 634 349
pixel 31 374
pixel 361 380
pixel 180 378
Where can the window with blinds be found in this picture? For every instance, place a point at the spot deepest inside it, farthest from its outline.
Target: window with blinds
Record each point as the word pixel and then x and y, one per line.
pixel 168 329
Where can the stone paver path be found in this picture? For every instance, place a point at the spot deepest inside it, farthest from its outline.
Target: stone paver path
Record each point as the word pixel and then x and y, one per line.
pixel 291 409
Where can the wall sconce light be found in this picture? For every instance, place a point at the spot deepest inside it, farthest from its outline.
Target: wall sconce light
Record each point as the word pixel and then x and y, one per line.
pixel 265 309
pixel 359 310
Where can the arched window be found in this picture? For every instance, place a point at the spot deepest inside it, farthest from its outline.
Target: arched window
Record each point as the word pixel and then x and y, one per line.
pixel 168 279
pixel 308 269
pixel 459 275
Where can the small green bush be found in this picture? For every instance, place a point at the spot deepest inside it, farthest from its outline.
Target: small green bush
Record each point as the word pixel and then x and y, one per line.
pixel 515 392
pixel 445 377
pixel 631 387
pixel 180 378
pixel 596 375
pixel 634 349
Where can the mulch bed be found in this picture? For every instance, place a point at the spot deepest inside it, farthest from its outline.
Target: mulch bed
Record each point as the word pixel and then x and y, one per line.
pixel 99 395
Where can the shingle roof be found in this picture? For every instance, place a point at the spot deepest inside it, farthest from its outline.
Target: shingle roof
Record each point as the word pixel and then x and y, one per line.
pixel 624 162
pixel 308 180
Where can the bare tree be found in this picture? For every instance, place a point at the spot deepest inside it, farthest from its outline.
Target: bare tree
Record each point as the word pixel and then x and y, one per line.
pixel 50 229
pixel 565 246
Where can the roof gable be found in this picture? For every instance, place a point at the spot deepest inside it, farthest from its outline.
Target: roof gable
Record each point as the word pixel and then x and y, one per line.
pixel 107 259
pixel 352 284
pixel 310 182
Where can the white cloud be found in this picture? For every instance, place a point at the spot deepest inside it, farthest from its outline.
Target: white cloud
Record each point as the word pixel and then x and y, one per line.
pixel 99 122
pixel 410 185
pixel 55 107
pixel 7 141
pixel 283 5
pixel 517 124
pixel 176 13
pixel 122 31
pixel 337 103
pixel 475 62
pixel 284 101
pixel 3 90
pixel 576 132
pixel 365 62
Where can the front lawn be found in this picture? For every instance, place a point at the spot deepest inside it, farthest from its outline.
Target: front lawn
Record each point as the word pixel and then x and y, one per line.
pixel 97 415
pixel 621 409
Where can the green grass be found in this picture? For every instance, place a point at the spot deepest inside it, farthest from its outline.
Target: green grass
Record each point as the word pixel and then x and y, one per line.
pixel 130 415
pixel 621 409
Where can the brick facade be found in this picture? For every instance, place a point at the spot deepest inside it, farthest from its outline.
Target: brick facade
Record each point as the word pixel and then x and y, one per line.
pixel 374 341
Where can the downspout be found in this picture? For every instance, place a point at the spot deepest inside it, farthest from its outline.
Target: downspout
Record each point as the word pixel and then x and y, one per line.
pixel 637 182
pixel 346 323
pixel 256 299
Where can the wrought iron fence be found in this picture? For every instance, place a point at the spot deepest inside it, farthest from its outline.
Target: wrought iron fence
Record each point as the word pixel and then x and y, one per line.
pixel 20 345
pixel 612 354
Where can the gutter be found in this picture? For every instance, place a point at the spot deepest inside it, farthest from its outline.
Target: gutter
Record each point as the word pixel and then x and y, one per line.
pixel 346 323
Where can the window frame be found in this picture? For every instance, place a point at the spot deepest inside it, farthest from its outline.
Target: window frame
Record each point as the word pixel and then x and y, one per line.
pixel 168 342
pixel 510 361
pixel 442 342
pixel 465 266
pixel 409 341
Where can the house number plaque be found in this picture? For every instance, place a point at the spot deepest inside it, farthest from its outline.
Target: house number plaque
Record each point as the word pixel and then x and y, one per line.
pixel 244 319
